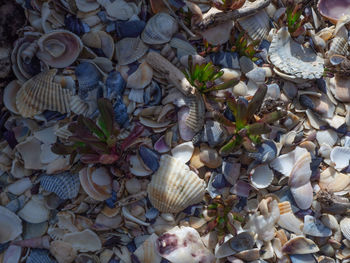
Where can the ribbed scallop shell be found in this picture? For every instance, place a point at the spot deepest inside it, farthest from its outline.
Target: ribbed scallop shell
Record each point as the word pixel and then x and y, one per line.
pixel 174 187
pixel 78 106
pixel 11 225
pixel 42 93
pixel 65 185
pixel 345 227
pixel 292 58
pixel 195 119
pixel 159 29
pixel 35 211
pixel 339 46
pixel 257 26
pixel 129 50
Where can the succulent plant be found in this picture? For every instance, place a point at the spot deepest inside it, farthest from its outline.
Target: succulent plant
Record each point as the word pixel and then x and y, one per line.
pixel 97 142
pixel 246 131
pixel 293 18
pixel 203 76
pixel 222 216
pixel 244 47
pixel 227 5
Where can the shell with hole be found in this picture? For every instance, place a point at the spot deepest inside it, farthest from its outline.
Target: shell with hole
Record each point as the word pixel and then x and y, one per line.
pixel 42 93
pixel 59 48
pixel 174 187
pixel 292 58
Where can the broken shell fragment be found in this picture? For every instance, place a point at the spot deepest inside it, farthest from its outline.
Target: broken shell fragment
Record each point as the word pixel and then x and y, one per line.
pixel 300 245
pixel 11 225
pixel 84 241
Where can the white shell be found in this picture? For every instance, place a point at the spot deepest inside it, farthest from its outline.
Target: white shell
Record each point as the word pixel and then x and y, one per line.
pixel 20 186
pixel 300 245
pixel 262 176
pixel 345 227
pixel 183 151
pixel 121 10
pixel 11 225
pixel 315 228
pixel 292 58
pixel 288 220
pixel 86 5
pixel 84 241
pixel 257 26
pixel 174 187
pixel 159 29
pixel 340 156
pixel 35 210
pixel 333 181
pixel 328 137
pixel 146 252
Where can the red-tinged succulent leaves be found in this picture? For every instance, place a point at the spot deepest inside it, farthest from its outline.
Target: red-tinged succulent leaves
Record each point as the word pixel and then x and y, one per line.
pixel 256 101
pixel 135 134
pixel 61 149
pixel 273 116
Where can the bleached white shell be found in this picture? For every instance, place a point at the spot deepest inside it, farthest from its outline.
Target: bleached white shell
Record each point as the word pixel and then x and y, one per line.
pixel 333 181
pixel 84 241
pixel 315 227
pixel 328 137
pixel 11 225
pixel 340 156
pixel 159 29
pixel 292 58
pixel 183 151
pixel 262 176
pixel 174 187
pixel 288 220
pixel 35 210
pixel 146 252
pixel 345 227
pixel 128 50
pixel 257 26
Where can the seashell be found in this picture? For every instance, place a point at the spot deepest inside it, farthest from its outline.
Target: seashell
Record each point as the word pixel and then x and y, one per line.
pixel 214 133
pixel 345 227
pixel 104 223
pixel 195 119
pixel 88 78
pixel 320 104
pixel 262 176
pixel 128 50
pixel 300 245
pixel 328 137
pixel 333 10
pixel 37 242
pixel 226 59
pixel 288 220
pixel 59 48
pixel 9 96
pixel 242 241
pixel 333 181
pixel 267 152
pixel 316 228
pixel 121 10
pixel 174 187
pixel 141 77
pixel 292 58
pixel 39 256
pixel 99 40
pixel 146 252
pixel 96 182
pixel 183 245
pixel 306 258
pixel 12 254
pixel 137 168
pixel 159 29
pixel 63 251
pixel 170 55
pixel 183 152
pixel 184 48
pixel 149 158
pixel 78 106
pixel 210 156
pixel 340 156
pixel 256 26
pixel 42 93
pixel 131 28
pixel 34 211
pixel 153 94
pixel 84 241
pixel 11 225
pixel 115 84
pixel 16 204
pixel 20 186
pixel 186 133
pixel 338 86
pixel 249 255
pixel 64 185
pixel 5 62
pixel 86 5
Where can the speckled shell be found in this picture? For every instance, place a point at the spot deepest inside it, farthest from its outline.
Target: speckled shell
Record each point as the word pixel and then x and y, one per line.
pixel 174 187
pixel 292 58
pixel 257 26
pixel 65 185
pixel 11 225
pixel 42 93
pixel 159 29
pixel 129 50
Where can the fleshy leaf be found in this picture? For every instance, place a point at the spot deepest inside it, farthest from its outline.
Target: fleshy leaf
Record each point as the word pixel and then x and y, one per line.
pixel 273 116
pixel 258 128
pixel 256 101
pixel 91 125
pixel 135 133
pixel 106 119
pixel 225 85
pixel 61 149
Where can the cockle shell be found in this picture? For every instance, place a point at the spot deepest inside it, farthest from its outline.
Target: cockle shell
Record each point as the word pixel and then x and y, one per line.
pixel 262 176
pixel 96 182
pixel 121 10
pixel 333 181
pixel 174 187
pixel 257 26
pixel 147 252
pixel 159 29
pixel 11 225
pixel 35 210
pixel 84 241
pixel 100 40
pixel 345 227
pixel 195 118
pixel 129 50
pixel 292 58
pixel 340 156
pixel 59 48
pixel 42 93
pixel 65 185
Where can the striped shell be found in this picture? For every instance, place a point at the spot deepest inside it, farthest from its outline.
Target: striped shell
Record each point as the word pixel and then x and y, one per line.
pixel 42 93
pixel 257 26
pixel 65 185
pixel 174 187
pixel 129 50
pixel 39 256
pixel 345 227
pixel 195 119
pixel 292 58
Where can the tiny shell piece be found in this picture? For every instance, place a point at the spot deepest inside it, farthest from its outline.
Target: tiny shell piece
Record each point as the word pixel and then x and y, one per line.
pixel 84 241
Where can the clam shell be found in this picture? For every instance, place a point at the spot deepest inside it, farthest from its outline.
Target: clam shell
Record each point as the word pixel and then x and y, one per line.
pixel 9 96
pixel 12 254
pixel 339 87
pixel 100 40
pixel 62 251
pixel 35 211
pixel 87 5
pixel 84 241
pixel 159 29
pixel 88 77
pixel 96 182
pixel 20 186
pixel 174 187
pixel 333 9
pixel 42 93
pixel 141 77
pixel 147 251
pixel 183 151
pixel 262 176
pixel 288 220
pixel 292 58
pixel 242 241
pixel 65 185
pixel 345 227
pixel 121 10
pixel 11 225
pixel 333 181
pixel 315 228
pixel 340 156
pixel 257 26
pixel 59 48
pixel 129 50
pixel 300 245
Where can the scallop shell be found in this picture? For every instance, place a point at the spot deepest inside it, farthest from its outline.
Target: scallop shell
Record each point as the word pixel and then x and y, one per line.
pixel 146 252
pixel 195 118
pixel 159 29
pixel 96 182
pixel 257 26
pixel 300 245
pixel 11 225
pixel 345 227
pixel 84 241
pixel 78 106
pixel 292 58
pixel 129 50
pixel 59 48
pixel 42 93
pixel 35 211
pixel 65 185
pixel 262 176
pixel 174 187
pixel 340 156
pixel 100 40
